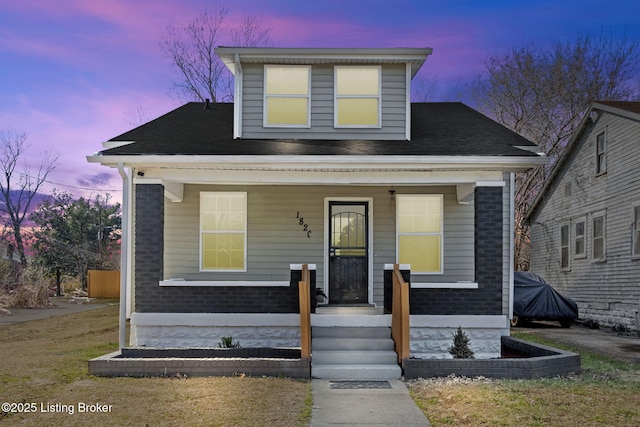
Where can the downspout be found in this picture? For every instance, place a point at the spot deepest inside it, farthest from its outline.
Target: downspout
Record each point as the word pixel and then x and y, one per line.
pixel 124 251
pixel 512 218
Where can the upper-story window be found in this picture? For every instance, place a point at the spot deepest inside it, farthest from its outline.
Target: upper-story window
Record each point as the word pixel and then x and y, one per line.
pixel 286 96
pixel 357 96
pixel 601 153
pixel 579 237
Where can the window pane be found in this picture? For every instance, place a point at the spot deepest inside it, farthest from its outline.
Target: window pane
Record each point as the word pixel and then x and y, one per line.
pixel 564 262
pixel 636 218
pixel 289 111
pixel 636 243
pixel 421 214
pixel 422 252
pixel 580 228
pixel 580 246
pixel 564 235
pixel 287 80
pixel 223 251
pixel 598 227
pixel 357 111
pixel 598 248
pixel 357 81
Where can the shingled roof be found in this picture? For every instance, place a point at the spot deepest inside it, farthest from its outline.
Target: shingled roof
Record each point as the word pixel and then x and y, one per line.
pixel 438 129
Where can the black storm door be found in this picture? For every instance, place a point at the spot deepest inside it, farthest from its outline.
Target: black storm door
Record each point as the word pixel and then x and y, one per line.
pixel 348 252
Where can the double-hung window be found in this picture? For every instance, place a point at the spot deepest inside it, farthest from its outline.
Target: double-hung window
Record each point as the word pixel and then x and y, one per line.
pixel 598 236
pixel 287 96
pixel 635 229
pixel 223 231
pixel 420 236
pixel 601 153
pixel 564 247
pixel 357 96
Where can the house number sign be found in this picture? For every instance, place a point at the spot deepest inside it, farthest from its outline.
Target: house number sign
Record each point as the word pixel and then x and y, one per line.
pixel 305 226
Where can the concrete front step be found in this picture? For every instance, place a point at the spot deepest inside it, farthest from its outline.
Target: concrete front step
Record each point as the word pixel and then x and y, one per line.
pixel 357 372
pixel 357 357
pixel 367 344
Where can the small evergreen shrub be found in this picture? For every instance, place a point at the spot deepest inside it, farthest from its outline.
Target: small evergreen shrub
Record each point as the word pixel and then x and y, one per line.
pixel 228 342
pixel 460 348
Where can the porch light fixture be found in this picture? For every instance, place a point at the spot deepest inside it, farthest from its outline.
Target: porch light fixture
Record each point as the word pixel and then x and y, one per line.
pixel 392 194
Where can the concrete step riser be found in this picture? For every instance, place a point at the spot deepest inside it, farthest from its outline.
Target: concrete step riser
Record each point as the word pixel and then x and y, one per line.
pixel 362 344
pixel 354 357
pixel 350 332
pixel 351 372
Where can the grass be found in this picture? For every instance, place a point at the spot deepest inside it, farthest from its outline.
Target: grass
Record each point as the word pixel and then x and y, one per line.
pixel 45 362
pixel 605 393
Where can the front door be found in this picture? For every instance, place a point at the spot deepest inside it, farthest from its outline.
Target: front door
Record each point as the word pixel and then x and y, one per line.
pixel 348 252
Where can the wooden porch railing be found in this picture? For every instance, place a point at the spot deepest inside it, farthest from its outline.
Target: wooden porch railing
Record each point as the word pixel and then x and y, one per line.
pixel 400 315
pixel 304 294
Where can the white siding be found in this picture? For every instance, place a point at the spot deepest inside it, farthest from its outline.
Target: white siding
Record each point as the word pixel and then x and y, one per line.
pixel 393 107
pixel 275 238
pixel 605 291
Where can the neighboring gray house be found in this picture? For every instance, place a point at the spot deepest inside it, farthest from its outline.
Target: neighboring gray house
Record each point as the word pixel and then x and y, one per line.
pixel 585 223
pixel 322 159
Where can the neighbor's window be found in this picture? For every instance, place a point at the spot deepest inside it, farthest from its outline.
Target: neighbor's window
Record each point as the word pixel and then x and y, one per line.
pixel 420 237
pixel 598 237
pixel 564 247
pixel 601 153
pixel 223 226
pixel 635 251
pixel 286 96
pixel 579 229
pixel 357 97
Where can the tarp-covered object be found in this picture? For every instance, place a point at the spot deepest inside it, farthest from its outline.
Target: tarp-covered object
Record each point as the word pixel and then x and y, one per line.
pixel 536 299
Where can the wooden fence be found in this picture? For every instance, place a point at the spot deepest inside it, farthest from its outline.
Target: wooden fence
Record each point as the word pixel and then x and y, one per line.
pixel 103 284
pixel 400 315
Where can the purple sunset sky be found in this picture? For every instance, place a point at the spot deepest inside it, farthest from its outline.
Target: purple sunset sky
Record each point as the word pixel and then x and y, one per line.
pixel 74 73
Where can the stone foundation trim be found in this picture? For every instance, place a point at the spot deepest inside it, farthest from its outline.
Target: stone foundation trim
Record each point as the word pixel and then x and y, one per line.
pixel 202 330
pixel 452 285
pixel 453 321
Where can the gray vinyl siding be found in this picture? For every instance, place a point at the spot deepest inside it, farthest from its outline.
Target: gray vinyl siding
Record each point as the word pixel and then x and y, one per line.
pixel 393 107
pixel 275 238
pixel 607 291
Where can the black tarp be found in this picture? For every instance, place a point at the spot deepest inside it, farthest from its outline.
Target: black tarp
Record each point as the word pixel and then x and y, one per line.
pixel 536 299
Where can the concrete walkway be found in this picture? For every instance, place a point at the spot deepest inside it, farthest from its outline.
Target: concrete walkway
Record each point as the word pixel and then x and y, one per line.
pixel 364 403
pixel 59 307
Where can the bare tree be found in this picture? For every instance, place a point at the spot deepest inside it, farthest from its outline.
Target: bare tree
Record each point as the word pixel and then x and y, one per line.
pixel 18 186
pixel 190 49
pixel 541 93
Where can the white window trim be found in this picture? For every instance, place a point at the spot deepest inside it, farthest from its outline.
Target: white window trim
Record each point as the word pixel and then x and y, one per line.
pixel 606 149
pixel 634 206
pixel 265 96
pixel 441 233
pixel 595 215
pixel 566 224
pixel 208 270
pixel 582 255
pixel 336 97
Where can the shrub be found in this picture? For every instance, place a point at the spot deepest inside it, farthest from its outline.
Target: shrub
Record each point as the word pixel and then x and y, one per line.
pixel 460 348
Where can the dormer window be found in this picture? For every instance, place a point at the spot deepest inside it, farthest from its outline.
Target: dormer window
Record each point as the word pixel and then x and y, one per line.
pixel 357 97
pixel 286 96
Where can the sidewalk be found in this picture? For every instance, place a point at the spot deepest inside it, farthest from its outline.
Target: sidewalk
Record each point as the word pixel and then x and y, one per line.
pixel 59 307
pixel 364 403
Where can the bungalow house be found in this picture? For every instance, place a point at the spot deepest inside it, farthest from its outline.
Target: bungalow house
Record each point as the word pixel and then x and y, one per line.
pixel 322 160
pixel 585 223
